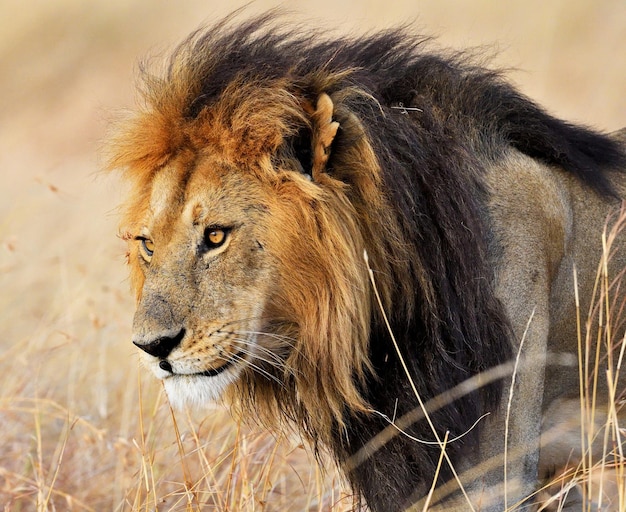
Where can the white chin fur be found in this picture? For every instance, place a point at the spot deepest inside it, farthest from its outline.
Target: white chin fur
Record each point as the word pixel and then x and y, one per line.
pixel 197 391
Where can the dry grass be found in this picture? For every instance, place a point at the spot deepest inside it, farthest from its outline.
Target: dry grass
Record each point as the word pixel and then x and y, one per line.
pixel 56 460
pixel 82 427
pixel 595 473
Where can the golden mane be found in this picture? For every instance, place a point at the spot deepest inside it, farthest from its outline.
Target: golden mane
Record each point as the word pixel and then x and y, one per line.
pixel 328 322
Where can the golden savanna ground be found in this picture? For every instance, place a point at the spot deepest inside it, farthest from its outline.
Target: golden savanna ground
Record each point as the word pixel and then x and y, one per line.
pixel 81 426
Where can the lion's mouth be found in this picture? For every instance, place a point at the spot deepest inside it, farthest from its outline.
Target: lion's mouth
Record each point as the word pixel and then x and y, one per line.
pixel 216 371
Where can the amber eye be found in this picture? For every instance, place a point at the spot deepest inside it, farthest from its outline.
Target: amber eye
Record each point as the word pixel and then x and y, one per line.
pixel 147 247
pixel 215 237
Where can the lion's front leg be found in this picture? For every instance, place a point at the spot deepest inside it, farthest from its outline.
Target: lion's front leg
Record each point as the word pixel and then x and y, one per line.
pixel 529 221
pixel 510 444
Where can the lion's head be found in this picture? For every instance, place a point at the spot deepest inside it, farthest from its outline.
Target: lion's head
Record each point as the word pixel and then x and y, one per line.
pixel 246 254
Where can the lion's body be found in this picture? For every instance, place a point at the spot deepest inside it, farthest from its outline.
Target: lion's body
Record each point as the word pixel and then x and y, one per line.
pixel 552 227
pixel 252 210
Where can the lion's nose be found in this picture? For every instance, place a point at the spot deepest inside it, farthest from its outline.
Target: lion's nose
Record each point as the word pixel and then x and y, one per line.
pixel 162 346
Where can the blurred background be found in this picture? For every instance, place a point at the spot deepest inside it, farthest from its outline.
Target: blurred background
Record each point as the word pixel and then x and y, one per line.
pixel 81 426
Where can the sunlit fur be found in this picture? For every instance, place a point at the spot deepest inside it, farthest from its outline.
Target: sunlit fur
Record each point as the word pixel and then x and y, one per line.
pixel 225 137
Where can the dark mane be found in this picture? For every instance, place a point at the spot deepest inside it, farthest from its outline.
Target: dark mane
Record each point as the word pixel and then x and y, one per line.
pixel 434 124
pixel 397 69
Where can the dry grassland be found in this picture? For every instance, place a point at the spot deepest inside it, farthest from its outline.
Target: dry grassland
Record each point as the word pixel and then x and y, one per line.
pixel 81 426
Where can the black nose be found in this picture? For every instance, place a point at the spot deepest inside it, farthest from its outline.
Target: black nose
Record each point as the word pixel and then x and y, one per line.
pixel 161 347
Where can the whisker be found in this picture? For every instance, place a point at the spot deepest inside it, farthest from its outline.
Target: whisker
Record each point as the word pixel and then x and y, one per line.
pixel 280 337
pixel 259 370
pixel 251 318
pixel 275 360
pixel 278 364
pixel 289 341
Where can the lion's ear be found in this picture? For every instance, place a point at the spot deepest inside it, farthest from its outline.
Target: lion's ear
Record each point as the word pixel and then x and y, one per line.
pixel 324 131
pixel 312 147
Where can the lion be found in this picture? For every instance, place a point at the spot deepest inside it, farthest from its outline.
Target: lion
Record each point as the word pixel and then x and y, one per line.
pixel 356 237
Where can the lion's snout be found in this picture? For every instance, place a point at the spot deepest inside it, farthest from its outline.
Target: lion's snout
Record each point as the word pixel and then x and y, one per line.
pixel 156 329
pixel 161 346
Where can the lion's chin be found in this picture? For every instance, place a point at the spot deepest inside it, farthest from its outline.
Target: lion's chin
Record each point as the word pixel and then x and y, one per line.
pixel 197 391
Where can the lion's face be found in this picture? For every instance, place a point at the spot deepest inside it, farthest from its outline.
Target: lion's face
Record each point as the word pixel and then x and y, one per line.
pixel 248 268
pixel 202 255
